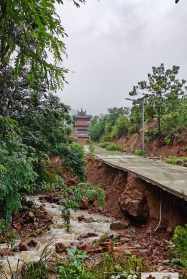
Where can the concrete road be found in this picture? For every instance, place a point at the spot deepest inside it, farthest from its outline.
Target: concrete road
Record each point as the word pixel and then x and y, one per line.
pixel 172 179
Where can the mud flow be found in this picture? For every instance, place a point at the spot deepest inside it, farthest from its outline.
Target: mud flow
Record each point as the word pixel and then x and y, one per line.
pixel 85 228
pixel 138 219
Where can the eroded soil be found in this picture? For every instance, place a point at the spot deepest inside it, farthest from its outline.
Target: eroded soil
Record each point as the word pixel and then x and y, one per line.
pixel 152 214
pixel 130 223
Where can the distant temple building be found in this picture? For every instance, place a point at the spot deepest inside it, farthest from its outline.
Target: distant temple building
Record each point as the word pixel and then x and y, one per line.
pixel 82 123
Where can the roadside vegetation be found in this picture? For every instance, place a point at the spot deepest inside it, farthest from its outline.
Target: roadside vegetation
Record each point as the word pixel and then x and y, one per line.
pixel 174 160
pixel 179 249
pixel 165 104
pixel 110 146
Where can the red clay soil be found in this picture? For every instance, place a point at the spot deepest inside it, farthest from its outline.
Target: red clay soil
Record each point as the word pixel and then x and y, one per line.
pixel 156 147
pixel 56 165
pixel 111 180
pixel 31 221
pixel 129 196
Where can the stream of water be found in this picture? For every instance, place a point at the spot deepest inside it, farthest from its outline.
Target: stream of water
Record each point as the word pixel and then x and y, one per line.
pixel 97 224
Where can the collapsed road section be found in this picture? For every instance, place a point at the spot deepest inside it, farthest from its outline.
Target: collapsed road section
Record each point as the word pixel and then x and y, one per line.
pixel 142 189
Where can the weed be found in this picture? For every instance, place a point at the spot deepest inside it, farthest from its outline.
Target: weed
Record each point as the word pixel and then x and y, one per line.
pixel 139 152
pixel 109 267
pixel 151 135
pixel 174 160
pixel 118 267
pixel 74 267
pixel 110 146
pixel 36 270
pixel 66 215
pixel 7 234
pixel 113 147
pixel 179 250
pixel 168 140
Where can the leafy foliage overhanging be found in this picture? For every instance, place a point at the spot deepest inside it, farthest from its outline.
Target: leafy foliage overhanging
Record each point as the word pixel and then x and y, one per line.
pixel 35 125
pixel 32 37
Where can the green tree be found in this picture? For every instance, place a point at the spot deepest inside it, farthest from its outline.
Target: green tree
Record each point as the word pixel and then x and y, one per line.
pixel 97 128
pixel 16 167
pixel 121 127
pixel 162 91
pixel 32 37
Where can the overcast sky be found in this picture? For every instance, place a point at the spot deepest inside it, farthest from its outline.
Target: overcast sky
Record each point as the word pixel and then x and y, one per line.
pixel 112 44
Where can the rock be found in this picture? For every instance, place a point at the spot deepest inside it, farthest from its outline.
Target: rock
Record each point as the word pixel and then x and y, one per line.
pixel 133 201
pixel 81 218
pixel 85 220
pixel 84 246
pixel 31 215
pixel 122 250
pixel 51 198
pixel 6 252
pixel 17 226
pixel 32 243
pixel 23 246
pixel 60 247
pixel 84 203
pixel 87 235
pixel 137 246
pixel 119 226
pixel 88 248
pixel 107 246
pixel 28 218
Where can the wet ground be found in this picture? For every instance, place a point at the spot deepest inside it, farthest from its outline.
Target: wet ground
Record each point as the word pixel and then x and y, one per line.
pixel 92 228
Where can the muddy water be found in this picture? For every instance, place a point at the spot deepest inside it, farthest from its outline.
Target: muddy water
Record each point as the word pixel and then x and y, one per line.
pixel 97 224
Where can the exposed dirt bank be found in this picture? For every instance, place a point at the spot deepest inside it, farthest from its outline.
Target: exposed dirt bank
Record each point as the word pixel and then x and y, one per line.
pixel 157 147
pixel 129 196
pixel 151 213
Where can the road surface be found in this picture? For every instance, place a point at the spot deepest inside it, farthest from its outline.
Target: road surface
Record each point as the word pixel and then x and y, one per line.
pixel 170 178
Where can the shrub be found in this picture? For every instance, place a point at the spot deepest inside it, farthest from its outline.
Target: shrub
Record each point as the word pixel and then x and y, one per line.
pixel 118 267
pixel 113 147
pixel 139 152
pixel 72 156
pixel 168 140
pixel 74 267
pixel 180 245
pixel 109 267
pixel 151 135
pixel 174 160
pixel 110 146
pixel 104 144
pixel 97 129
pixel 121 127
pixel 74 195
